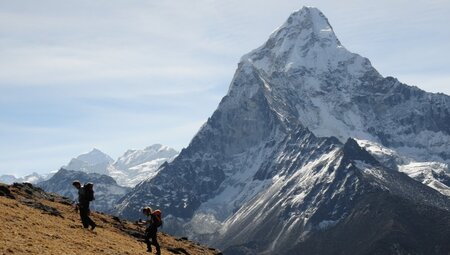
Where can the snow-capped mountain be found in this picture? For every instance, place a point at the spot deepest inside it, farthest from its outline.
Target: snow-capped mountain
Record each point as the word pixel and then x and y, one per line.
pixel 94 161
pixel 273 169
pixel 8 179
pixel 107 191
pixel 129 169
pixel 433 174
pixel 132 158
pixel 31 178
pixel 139 165
pixel 345 191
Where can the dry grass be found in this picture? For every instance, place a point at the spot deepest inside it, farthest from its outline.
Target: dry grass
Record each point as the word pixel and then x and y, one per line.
pixel 26 230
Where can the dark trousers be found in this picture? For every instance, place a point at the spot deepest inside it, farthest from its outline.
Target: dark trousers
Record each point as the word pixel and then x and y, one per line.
pixel 85 219
pixel 150 232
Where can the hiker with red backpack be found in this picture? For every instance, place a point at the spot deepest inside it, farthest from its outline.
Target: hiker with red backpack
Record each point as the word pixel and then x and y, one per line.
pixel 85 196
pixel 153 221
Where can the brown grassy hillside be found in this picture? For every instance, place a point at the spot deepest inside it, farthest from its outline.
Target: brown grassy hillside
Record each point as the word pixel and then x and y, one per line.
pixel 34 222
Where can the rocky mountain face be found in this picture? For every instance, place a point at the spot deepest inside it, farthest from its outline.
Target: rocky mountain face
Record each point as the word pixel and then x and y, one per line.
pixel 431 173
pixel 274 170
pixel 345 201
pixel 107 191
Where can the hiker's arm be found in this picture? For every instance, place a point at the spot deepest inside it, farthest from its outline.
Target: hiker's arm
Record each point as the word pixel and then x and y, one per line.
pixel 141 222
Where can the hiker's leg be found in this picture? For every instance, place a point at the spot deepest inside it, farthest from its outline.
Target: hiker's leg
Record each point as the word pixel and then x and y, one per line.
pixel 147 240
pixel 155 241
pixel 84 216
pixel 89 220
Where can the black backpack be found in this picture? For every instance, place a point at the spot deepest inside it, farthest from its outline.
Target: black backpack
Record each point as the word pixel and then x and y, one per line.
pixel 89 191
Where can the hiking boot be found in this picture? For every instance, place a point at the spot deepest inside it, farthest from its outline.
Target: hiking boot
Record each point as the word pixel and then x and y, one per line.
pixel 93 226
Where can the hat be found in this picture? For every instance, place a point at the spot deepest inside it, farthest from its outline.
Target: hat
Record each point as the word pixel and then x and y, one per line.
pixel 147 209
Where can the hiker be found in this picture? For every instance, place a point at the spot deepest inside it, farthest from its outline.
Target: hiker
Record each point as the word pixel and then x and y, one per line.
pixel 85 195
pixel 153 222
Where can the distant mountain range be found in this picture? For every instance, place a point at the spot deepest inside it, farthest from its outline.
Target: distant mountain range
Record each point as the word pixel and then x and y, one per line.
pixel 112 179
pixel 31 178
pixel 129 169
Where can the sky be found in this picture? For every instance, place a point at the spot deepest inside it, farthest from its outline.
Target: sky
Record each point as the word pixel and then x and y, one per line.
pixel 118 75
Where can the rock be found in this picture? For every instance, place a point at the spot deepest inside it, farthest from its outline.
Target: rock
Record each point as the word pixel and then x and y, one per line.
pixel 5 192
pixel 178 251
pixel 45 208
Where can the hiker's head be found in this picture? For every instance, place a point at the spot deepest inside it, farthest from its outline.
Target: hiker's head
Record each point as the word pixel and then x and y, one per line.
pixel 76 184
pixel 147 210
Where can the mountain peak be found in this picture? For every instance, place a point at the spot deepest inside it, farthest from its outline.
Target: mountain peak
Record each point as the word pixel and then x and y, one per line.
pixel 311 18
pixel 95 150
pixel 93 161
pixel 95 156
pixel 353 151
pixel 306 41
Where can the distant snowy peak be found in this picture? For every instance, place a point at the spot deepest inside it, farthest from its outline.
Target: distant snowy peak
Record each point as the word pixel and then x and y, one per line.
pixel 133 158
pixel 94 161
pixel 95 157
pixel 140 165
pixel 8 179
pixel 433 174
pixel 129 169
pixel 31 178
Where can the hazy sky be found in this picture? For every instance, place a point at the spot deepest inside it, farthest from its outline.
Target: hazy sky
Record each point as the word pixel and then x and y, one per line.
pixel 116 75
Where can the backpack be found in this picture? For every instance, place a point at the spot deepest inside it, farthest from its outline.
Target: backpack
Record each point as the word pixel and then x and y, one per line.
pixel 89 189
pixel 157 218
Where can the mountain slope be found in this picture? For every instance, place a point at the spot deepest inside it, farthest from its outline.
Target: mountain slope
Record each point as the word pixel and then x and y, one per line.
pixel 400 227
pixel 433 174
pixel 266 172
pixel 34 222
pixel 348 184
pixel 107 191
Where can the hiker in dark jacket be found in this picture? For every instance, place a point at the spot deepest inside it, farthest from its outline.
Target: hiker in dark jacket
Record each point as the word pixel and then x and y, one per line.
pixel 153 222
pixel 85 195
